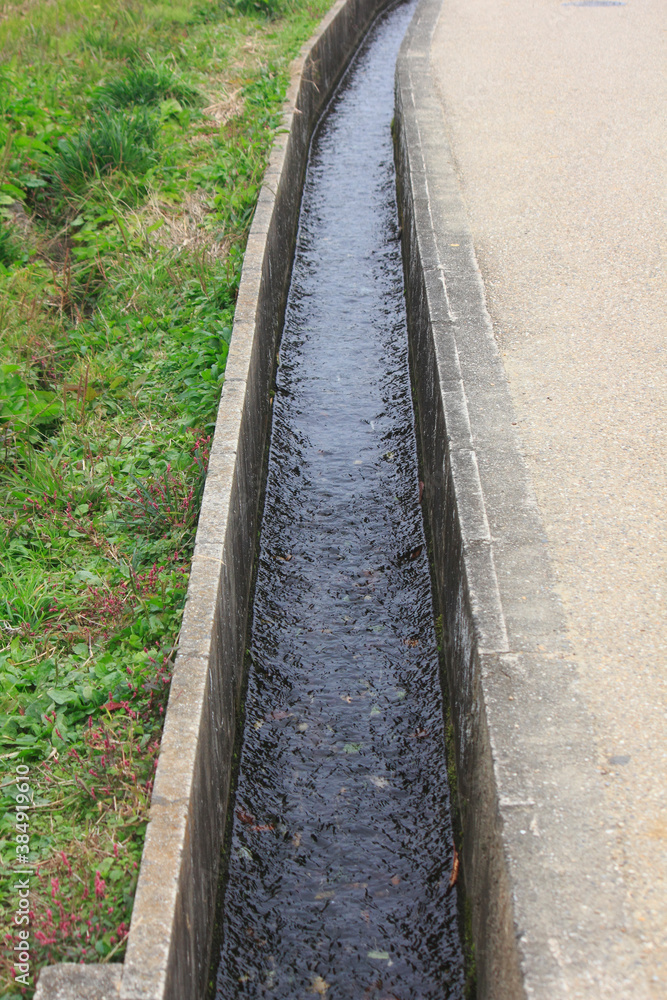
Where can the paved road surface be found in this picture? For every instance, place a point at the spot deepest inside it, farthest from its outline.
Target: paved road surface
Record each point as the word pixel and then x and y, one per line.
pixel 556 117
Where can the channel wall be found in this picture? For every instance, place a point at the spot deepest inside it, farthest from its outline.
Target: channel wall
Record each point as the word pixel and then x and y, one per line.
pixel 169 944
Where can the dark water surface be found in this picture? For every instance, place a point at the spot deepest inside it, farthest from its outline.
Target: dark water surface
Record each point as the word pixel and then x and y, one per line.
pixel 341 850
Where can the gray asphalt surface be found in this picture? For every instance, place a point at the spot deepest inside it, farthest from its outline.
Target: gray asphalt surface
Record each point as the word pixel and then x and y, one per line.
pixel 556 117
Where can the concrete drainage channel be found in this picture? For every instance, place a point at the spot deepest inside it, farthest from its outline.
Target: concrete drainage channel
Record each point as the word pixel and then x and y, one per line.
pixel 339 878
pixel 516 714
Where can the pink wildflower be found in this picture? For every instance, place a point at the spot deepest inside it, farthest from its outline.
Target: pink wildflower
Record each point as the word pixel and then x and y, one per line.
pixel 100 886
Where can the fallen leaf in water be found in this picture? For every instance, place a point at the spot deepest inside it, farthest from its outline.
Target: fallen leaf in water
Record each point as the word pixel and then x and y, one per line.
pixel 382 955
pixel 320 986
pixel 412 643
pixel 395 880
pixel 279 713
pixel 284 558
pixel 410 555
pixel 244 816
pixel 346 697
pixel 455 870
pixel 296 840
pixel 420 734
pixel 352 747
pixel 329 894
pixel 263 829
pixel 379 781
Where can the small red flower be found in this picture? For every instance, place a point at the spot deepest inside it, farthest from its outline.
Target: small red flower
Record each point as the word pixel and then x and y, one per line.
pixel 100 886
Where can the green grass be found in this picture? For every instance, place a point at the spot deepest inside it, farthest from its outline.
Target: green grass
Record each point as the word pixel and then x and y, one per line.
pixel 133 139
pixel 144 85
pixel 10 247
pixel 111 142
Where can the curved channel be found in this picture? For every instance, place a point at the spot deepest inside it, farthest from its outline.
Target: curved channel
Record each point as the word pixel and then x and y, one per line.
pixel 341 859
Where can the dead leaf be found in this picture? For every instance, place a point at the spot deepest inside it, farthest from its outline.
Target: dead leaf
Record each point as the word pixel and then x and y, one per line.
pixel 250 820
pixel 410 555
pixel 320 986
pixel 455 870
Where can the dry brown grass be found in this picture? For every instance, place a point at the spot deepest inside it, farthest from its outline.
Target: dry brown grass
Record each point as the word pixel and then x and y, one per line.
pixel 182 226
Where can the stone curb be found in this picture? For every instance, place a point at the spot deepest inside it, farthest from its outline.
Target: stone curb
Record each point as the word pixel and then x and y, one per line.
pixel 547 917
pixel 169 944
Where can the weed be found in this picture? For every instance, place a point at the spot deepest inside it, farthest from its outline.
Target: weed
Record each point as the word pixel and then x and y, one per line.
pixel 110 43
pixel 160 504
pixel 144 85
pixel 24 410
pixel 112 141
pixel 269 8
pixel 10 248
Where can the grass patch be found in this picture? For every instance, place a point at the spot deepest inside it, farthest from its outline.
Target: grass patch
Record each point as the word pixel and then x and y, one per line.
pixel 133 140
pixel 111 141
pixel 10 247
pixel 145 85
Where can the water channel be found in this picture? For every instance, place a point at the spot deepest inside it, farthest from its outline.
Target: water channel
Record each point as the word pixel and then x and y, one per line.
pixel 341 853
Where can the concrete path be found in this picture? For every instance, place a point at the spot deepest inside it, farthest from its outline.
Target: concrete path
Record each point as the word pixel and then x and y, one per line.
pixel 556 118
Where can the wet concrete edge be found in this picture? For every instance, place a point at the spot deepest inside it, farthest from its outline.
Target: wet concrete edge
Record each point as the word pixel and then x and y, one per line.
pixel 547 918
pixel 168 948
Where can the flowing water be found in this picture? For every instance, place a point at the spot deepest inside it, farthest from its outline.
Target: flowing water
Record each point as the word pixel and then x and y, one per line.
pixel 341 852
